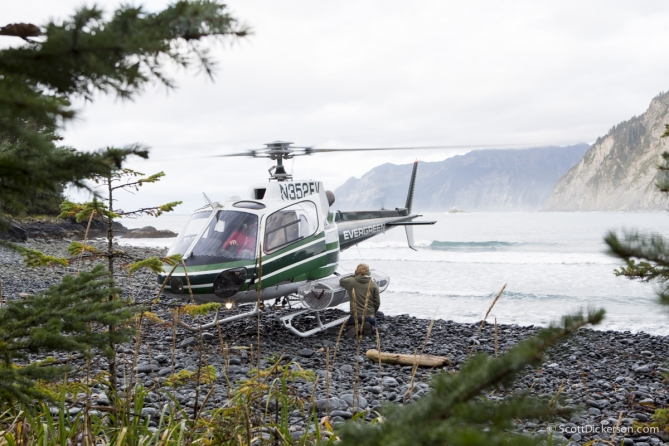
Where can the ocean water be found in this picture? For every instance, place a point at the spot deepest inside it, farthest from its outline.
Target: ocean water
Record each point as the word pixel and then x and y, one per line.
pixel 552 264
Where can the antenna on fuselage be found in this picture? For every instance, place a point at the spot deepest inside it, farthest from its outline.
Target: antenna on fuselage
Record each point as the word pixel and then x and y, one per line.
pixel 209 202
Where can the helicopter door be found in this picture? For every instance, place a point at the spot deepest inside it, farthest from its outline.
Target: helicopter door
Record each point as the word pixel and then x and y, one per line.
pixel 290 225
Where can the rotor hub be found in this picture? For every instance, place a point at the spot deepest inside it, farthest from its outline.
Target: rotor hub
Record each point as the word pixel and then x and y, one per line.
pixel 279 151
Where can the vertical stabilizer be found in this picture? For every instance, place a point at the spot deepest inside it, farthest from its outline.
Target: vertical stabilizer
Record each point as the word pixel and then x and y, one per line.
pixel 409 204
pixel 412 186
pixel 409 230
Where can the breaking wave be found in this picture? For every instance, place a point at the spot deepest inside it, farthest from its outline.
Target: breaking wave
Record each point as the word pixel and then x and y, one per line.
pixel 492 245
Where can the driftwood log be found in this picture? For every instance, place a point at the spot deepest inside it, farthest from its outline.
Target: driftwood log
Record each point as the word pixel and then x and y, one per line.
pixel 397 358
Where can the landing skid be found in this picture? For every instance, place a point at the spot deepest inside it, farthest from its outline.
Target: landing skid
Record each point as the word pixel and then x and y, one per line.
pixel 286 321
pixel 218 321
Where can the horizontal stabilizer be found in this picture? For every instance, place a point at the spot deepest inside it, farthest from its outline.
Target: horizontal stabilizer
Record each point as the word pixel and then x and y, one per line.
pixel 410 223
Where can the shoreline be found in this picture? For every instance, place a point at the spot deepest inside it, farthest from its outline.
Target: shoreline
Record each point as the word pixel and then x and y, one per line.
pixel 145 247
pixel 606 372
pixel 51 228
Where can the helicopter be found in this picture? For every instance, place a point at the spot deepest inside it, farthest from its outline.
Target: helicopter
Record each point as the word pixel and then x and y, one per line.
pixel 279 241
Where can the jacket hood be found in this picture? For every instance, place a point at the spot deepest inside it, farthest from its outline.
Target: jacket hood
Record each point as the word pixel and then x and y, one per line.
pixel 362 279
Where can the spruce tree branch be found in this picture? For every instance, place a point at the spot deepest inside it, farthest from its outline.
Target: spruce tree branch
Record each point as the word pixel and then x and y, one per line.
pixel 22 30
pixel 139 212
pixel 81 57
pixel 650 250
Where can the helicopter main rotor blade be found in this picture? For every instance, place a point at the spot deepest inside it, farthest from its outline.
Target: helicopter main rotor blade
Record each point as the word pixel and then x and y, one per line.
pixel 237 154
pixel 293 151
pixel 251 153
pixel 455 147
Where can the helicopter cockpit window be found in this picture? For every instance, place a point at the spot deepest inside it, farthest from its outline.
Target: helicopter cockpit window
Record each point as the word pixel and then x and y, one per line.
pixel 195 224
pixel 230 236
pixel 290 225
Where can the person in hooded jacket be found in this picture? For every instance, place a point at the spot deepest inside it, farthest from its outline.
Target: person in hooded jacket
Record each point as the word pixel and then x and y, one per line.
pixel 365 300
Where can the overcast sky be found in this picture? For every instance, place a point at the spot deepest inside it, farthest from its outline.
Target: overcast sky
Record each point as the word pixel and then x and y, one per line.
pixel 380 73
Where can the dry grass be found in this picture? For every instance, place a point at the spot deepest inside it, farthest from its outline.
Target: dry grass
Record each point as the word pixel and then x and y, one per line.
pixel 496 340
pixel 471 352
pixel 414 368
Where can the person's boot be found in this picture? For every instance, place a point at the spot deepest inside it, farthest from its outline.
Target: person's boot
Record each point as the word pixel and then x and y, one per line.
pixel 350 331
pixel 367 329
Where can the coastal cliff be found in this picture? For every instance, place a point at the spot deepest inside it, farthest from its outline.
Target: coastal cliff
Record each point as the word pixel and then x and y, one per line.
pixel 618 173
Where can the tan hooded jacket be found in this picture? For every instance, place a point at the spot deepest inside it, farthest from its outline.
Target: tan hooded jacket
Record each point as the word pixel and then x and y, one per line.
pixel 362 284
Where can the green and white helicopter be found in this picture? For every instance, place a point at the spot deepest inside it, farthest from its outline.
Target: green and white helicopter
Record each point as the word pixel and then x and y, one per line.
pixel 280 241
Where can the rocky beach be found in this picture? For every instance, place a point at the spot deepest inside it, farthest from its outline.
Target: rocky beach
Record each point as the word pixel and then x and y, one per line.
pixel 610 375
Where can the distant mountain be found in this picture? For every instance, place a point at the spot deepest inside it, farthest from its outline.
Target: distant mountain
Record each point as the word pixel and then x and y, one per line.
pixel 482 180
pixel 618 172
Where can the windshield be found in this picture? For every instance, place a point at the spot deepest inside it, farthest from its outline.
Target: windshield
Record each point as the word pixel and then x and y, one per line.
pixel 195 223
pixel 230 235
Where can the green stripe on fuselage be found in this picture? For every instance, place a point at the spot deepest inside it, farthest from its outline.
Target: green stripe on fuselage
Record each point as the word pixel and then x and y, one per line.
pixel 333 257
pixel 276 267
pixel 267 258
pixel 283 267
pixel 195 273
